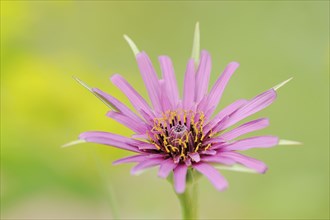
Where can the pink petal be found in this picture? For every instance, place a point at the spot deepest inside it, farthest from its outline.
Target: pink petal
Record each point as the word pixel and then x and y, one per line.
pixel 224 112
pixel 140 136
pixel 195 156
pixel 135 98
pixel 203 76
pixel 117 138
pixel 165 102
pixel 255 105
pixel 150 79
pixel 208 152
pixel 253 142
pixel 218 159
pixel 249 162
pixel 130 159
pixel 219 86
pixel 189 86
pixel 149 118
pixel 180 173
pixel 128 122
pixel 246 128
pixel 147 146
pixel 110 142
pixel 215 140
pixel 146 164
pixel 218 145
pixel 166 167
pixel 108 135
pixel 212 174
pixel 188 163
pixel 119 105
pixel 170 80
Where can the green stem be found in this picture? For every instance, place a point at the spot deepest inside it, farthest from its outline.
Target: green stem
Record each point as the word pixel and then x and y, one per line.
pixel 188 199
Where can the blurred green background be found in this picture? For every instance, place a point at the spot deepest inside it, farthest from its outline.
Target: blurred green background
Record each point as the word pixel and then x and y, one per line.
pixel 44 43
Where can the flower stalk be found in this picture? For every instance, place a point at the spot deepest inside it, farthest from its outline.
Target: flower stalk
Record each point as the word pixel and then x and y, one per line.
pixel 189 198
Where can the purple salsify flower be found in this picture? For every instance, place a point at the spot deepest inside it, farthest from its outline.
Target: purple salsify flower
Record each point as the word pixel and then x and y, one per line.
pixel 177 133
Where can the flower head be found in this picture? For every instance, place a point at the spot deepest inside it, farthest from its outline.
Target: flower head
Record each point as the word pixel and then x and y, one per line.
pixel 180 133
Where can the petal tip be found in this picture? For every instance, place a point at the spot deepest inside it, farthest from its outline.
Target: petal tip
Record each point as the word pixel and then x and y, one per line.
pixel 110 113
pixel 180 190
pixel 282 84
pixel 82 83
pixel 134 172
pixel 80 141
pixel 289 142
pixel 196 44
pixel 263 171
pixel 223 188
pixel 116 162
pixel 132 45
pixel 161 175
pixel 235 64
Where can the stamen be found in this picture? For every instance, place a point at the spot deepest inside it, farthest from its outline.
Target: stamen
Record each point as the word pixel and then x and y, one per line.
pixel 166 148
pixel 179 133
pixel 197 147
pixel 208 146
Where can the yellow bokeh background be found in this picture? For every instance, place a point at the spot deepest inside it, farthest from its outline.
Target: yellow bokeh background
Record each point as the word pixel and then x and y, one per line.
pixel 44 43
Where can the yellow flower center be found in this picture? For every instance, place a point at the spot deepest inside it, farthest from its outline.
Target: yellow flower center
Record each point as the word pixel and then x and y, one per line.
pixel 179 133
